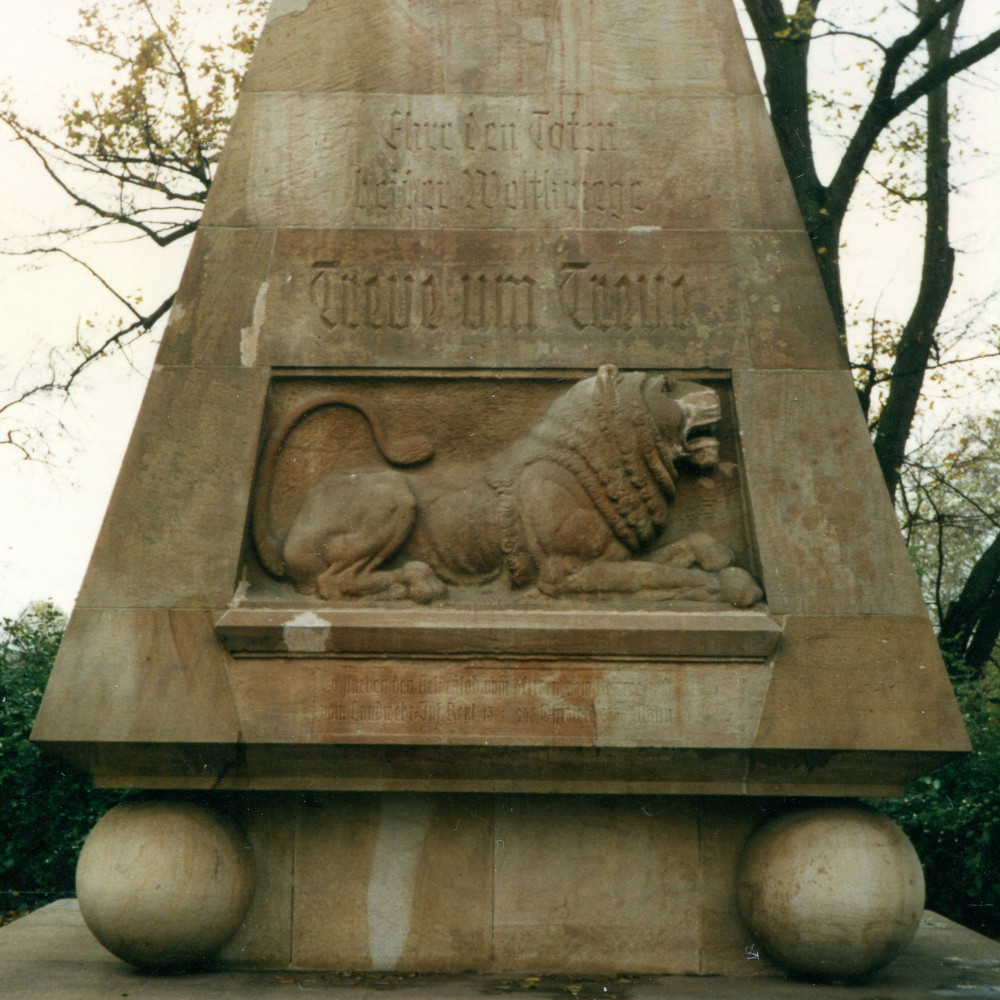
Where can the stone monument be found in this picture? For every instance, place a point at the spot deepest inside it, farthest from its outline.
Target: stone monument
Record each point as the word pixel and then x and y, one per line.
pixel 499 576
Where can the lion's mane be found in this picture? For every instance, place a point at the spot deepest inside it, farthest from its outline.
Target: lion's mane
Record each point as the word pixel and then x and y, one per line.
pixel 601 432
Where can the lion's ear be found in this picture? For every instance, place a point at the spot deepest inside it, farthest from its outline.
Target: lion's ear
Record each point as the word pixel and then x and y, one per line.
pixel 609 373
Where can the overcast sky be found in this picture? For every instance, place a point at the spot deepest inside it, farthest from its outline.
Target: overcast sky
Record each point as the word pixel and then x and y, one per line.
pixel 51 512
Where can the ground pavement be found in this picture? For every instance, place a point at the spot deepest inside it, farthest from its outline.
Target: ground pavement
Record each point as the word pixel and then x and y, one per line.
pixel 50 955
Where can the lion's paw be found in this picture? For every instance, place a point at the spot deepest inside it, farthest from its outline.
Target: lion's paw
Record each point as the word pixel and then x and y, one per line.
pixel 710 554
pixel 738 587
pixel 422 584
pixel 698 550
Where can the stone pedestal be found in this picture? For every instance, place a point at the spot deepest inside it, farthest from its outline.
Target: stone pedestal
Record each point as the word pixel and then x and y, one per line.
pixel 501 444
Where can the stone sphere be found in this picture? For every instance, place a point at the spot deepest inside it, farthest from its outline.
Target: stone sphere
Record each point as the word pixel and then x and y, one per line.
pixel 831 892
pixel 164 884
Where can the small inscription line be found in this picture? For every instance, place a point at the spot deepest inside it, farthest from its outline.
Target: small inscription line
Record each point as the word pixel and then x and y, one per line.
pixel 443 712
pixel 382 189
pixel 539 129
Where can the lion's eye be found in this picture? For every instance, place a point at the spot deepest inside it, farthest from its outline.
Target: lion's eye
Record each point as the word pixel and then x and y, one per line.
pixel 668 384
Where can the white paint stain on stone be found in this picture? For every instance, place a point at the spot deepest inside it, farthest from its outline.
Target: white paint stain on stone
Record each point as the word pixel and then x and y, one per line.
pixel 281 8
pixel 402 830
pixel 250 335
pixel 178 313
pixel 306 633
pixel 241 591
pixel 644 229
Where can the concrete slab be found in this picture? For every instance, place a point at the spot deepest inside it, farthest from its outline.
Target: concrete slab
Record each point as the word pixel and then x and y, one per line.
pixel 50 954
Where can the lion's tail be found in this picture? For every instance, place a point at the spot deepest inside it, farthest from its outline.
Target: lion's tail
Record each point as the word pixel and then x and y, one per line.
pixel 412 449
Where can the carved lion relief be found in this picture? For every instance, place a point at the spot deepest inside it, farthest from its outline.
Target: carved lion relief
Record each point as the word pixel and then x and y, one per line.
pixel 578 506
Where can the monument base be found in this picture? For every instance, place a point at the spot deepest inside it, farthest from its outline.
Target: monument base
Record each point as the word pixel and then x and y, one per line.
pixel 566 884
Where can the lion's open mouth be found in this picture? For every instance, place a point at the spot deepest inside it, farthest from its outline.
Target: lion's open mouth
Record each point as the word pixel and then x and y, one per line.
pixel 701 447
pixel 700 437
pixel 702 412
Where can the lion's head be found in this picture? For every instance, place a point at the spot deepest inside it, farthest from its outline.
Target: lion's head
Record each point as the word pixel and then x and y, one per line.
pixel 684 413
pixel 620 434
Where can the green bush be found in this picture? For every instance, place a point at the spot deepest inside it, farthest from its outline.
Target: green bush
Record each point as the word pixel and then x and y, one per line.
pixel 953 818
pixel 48 807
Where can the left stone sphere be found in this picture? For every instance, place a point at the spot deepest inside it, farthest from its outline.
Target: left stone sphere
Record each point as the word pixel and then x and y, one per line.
pixel 164 885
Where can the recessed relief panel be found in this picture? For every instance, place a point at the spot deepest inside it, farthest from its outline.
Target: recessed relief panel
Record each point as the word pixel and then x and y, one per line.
pixel 614 491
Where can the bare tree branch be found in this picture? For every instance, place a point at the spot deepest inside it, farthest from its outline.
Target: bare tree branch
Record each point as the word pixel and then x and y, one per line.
pixel 124 218
pixel 117 339
pixel 135 160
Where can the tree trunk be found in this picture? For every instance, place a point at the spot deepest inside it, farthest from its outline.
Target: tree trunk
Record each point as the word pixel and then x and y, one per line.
pixel 784 42
pixel 917 341
pixel 971 625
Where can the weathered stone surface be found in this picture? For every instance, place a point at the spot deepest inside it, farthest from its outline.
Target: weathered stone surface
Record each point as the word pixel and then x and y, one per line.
pixel 334 843
pixel 620 46
pixel 502 768
pixel 521 299
pixel 533 703
pixel 596 885
pixel 51 952
pixel 393 882
pixel 219 311
pixel 841 682
pixel 727 946
pixel 824 524
pixel 124 675
pixel 503 633
pixel 263 939
pixel 342 161
pixel 556 883
pixel 789 323
pixel 174 528
pixel 456 211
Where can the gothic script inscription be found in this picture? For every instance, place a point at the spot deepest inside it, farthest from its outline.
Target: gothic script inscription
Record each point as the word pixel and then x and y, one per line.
pixel 474 160
pixel 580 296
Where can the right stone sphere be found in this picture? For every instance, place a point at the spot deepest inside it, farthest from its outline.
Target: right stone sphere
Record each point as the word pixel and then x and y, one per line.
pixel 832 892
